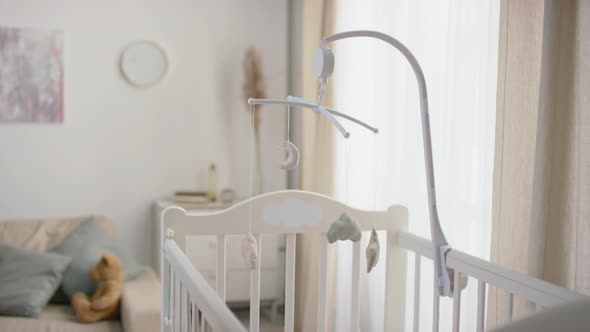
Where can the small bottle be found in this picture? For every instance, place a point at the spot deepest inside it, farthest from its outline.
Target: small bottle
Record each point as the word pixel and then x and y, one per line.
pixel 212 183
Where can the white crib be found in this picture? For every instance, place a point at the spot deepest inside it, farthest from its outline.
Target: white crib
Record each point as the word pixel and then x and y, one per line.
pixel 191 304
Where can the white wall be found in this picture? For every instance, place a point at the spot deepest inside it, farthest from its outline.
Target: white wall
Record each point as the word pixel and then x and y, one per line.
pixel 121 148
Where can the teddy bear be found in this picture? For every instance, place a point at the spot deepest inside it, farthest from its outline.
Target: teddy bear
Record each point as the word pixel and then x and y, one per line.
pixel 106 301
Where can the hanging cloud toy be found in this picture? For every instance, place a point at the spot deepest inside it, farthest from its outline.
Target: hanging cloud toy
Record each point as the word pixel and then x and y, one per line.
pixel 344 228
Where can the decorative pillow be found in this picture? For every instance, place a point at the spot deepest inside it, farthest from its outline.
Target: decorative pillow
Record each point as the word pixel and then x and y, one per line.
pixel 86 246
pixel 28 279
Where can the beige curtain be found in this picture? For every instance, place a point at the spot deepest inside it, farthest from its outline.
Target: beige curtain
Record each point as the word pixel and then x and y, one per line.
pixel 541 198
pixel 317 154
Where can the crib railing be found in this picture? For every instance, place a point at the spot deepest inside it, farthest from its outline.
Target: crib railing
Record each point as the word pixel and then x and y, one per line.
pixel 190 303
pixel 541 293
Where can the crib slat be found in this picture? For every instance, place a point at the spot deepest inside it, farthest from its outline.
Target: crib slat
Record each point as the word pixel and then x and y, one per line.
pixel 481 299
pixel 168 296
pixel 188 311
pixel 290 283
pixel 508 304
pixel 457 302
pixel 417 262
pixel 435 306
pixel 322 281
pixel 255 290
pixel 177 285
pixel 395 284
pixel 193 317
pixel 199 320
pixel 355 289
pixel 183 310
pixel 221 267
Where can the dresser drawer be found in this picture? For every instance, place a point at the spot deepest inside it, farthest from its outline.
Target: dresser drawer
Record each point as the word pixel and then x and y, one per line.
pixel 202 252
pixel 237 287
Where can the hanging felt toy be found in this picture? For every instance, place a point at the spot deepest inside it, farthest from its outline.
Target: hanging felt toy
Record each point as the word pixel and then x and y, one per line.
pixel 292 152
pixel 250 251
pixel 344 228
pixel 249 243
pixel 372 250
pixel 292 160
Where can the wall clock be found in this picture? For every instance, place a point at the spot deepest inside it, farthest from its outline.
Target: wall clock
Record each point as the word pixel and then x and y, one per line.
pixel 143 63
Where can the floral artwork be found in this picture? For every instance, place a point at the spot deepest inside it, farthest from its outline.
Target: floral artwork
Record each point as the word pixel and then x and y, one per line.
pixel 31 75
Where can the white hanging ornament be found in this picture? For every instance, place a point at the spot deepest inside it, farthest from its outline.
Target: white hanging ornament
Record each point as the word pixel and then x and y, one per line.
pixel 250 251
pixel 292 160
pixel 372 250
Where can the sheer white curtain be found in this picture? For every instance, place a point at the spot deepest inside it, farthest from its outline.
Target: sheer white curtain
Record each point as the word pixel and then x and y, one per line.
pixel 456 44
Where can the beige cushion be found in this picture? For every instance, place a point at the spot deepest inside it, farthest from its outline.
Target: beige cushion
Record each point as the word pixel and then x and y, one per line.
pixel 140 305
pixel 55 318
pixel 45 234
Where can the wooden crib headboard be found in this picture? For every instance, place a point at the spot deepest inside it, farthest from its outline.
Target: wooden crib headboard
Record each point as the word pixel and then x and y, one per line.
pixel 290 212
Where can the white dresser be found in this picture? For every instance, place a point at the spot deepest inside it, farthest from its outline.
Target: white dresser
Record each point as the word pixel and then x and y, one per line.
pixel 201 250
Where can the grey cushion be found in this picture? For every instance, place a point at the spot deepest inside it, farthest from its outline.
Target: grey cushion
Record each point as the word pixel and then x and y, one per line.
pixel 28 279
pixel 85 246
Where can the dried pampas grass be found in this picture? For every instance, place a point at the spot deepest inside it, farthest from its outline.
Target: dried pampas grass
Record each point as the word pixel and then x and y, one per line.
pixel 255 87
pixel 254 82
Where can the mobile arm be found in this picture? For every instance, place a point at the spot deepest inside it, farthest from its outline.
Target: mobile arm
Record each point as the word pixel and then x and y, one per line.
pixel 323 67
pixel 327 112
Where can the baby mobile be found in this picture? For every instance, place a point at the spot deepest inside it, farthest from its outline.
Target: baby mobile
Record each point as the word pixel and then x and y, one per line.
pixel 344 227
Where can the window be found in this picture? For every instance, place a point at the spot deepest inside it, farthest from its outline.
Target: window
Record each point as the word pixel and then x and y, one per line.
pixel 456 45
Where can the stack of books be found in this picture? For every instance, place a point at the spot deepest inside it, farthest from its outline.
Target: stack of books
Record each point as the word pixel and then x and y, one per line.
pixel 192 197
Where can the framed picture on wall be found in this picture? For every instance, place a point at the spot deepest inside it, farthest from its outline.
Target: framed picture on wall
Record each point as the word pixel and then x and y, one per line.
pixel 31 75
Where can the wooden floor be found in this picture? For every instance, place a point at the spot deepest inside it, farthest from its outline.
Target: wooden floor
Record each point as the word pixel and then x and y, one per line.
pixel 266 325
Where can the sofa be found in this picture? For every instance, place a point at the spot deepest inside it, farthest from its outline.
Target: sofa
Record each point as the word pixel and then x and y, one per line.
pixel 140 304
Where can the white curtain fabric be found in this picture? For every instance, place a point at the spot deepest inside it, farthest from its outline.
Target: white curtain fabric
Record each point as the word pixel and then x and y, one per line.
pixel 456 44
